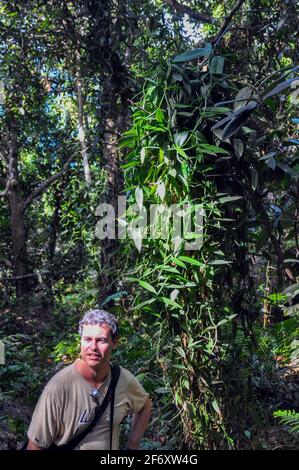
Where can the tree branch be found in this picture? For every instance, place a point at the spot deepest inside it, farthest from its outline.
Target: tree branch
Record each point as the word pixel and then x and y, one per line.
pixel 3 159
pixel 226 22
pixel 24 276
pixel 184 9
pixel 5 192
pixel 48 182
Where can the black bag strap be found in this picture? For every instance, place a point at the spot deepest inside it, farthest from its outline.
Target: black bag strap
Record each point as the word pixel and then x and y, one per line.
pixel 112 413
pixel 115 372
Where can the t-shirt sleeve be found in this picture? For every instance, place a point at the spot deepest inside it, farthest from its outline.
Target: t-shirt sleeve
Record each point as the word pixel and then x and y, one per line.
pixel 137 395
pixel 45 424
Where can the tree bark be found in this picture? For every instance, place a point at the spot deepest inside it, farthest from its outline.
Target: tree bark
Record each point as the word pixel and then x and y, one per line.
pixel 17 218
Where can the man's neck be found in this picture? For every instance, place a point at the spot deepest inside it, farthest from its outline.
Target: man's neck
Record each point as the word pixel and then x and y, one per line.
pixel 93 376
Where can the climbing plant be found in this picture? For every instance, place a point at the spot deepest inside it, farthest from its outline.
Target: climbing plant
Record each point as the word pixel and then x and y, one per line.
pixel 188 151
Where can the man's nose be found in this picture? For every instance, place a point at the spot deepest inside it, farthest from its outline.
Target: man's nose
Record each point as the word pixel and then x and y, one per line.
pixel 94 344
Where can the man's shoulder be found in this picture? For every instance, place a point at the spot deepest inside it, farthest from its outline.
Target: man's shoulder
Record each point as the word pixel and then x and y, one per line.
pixel 126 375
pixel 62 378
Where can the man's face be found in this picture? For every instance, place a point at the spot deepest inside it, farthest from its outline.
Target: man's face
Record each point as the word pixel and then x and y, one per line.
pixel 97 345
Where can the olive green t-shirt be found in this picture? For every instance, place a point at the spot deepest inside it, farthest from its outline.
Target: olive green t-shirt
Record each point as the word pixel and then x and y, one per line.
pixel 65 409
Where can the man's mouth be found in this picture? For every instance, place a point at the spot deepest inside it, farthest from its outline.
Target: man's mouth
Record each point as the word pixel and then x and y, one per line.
pixel 94 356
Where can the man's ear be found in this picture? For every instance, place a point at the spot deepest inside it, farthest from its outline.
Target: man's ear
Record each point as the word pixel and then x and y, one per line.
pixel 115 344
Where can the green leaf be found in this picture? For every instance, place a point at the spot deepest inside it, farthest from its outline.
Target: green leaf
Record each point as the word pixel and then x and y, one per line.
pixel 194 54
pixel 225 199
pixel 142 304
pixel 217 64
pixel 213 149
pixel 180 138
pixel 239 148
pixel 282 86
pixel 130 164
pixel 287 169
pixel 254 179
pixel 218 262
pixel 234 120
pixel 294 309
pixel 291 288
pixel 242 96
pixel 147 286
pixel 178 262
pixel 181 351
pixel 234 125
pixel 170 302
pixel 181 152
pixel 216 407
pixel 189 260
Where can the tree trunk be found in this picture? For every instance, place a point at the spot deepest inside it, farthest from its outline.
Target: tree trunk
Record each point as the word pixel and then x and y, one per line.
pixel 18 240
pixel 17 219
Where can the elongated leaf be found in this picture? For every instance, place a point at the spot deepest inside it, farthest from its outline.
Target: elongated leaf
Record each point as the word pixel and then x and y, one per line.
pixel 225 199
pixel 194 54
pixel 181 351
pixel 130 164
pixel 222 122
pixel 282 86
pixel 239 148
pixel 287 169
pixel 216 407
pixel 219 262
pixel 291 288
pixel 244 110
pixel 254 179
pixel 294 309
pixel 271 162
pixel 234 125
pixel 161 190
pixel 178 262
pixel 180 138
pixel 189 260
pixel 147 286
pixel 139 197
pixel 143 304
pixel 142 155
pixel 242 96
pixel 213 149
pixel 268 155
pixel 170 302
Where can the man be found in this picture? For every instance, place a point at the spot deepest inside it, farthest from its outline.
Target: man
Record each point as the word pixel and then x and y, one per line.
pixel 69 401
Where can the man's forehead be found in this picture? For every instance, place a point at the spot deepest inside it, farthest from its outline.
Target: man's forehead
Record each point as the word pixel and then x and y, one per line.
pixel 102 329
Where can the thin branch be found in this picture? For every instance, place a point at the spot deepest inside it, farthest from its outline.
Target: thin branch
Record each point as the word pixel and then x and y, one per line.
pixel 48 182
pixel 226 22
pixel 24 276
pixel 7 186
pixel 3 158
pixel 195 15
